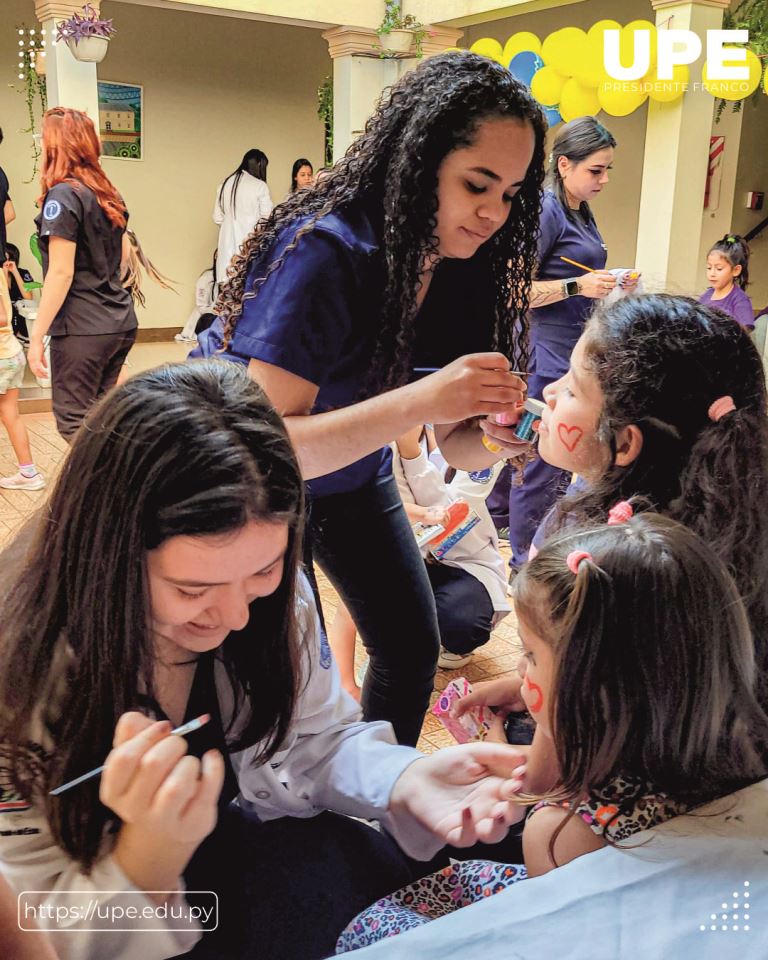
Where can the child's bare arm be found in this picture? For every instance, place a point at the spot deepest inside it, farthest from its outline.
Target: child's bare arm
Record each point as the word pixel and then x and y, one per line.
pixel 574 840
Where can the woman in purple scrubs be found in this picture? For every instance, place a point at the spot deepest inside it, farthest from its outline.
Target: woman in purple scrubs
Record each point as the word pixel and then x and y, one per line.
pixel 563 297
pixel 395 264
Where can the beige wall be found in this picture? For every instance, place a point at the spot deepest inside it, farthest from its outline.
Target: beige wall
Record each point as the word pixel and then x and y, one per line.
pixel 213 88
pixel 753 175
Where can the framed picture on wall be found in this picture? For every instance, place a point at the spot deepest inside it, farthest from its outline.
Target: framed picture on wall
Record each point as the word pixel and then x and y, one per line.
pixel 121 120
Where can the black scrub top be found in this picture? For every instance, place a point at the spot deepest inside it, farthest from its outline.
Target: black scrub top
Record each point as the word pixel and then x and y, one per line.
pixel 4 198
pixel 97 302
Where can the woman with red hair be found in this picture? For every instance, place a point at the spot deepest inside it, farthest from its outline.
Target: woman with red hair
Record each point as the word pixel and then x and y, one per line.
pixel 83 306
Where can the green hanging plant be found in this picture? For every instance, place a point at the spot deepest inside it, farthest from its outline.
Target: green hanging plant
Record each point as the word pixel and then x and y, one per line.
pixel 394 20
pixel 325 112
pixel 751 15
pixel 31 86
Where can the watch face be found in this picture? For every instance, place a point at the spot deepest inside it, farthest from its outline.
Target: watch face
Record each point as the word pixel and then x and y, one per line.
pixel 572 288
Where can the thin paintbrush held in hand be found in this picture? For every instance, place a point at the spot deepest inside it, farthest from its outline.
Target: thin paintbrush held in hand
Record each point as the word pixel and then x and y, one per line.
pixel 181 731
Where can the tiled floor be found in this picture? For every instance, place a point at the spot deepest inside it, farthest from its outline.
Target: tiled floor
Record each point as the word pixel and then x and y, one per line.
pixel 497 657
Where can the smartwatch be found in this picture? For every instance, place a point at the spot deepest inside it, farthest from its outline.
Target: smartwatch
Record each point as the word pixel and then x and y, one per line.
pixel 570 288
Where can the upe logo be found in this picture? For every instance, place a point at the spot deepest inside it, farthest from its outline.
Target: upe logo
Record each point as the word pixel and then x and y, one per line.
pixel 676 47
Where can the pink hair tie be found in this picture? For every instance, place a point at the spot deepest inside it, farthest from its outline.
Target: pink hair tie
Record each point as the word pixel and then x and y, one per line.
pixel 721 407
pixel 620 513
pixel 574 558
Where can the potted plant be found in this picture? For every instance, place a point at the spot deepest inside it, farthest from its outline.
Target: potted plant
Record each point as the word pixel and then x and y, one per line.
pixel 397 33
pixel 86 35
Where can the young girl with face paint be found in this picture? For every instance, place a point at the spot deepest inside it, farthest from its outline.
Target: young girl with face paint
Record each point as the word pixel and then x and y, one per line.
pixel 665 400
pixel 647 722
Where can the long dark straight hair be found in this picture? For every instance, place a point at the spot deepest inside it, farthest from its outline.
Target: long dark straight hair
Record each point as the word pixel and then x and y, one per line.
pixel 261 173
pixel 576 141
pixel 390 173
pixel 660 362
pixel 654 669
pixel 185 450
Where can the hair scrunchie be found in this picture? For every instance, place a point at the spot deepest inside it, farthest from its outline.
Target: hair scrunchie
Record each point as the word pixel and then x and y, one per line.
pixel 720 408
pixel 620 513
pixel 574 558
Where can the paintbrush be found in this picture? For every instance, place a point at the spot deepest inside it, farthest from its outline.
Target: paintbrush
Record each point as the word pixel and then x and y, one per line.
pixel 181 731
pixel 574 263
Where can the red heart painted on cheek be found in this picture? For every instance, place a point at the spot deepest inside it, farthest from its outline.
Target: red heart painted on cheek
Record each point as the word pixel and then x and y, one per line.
pixel 536 690
pixel 569 436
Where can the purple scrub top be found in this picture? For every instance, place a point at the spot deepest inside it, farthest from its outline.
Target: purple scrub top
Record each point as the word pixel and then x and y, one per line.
pixel 316 316
pixel 556 328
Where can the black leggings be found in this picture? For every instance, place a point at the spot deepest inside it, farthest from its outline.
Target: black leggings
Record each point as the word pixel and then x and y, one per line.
pixel 464 608
pixel 364 544
pixel 287 888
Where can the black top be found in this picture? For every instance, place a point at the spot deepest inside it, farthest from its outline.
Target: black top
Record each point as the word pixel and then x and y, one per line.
pixel 16 294
pixel 96 302
pixel 13 288
pixel 4 197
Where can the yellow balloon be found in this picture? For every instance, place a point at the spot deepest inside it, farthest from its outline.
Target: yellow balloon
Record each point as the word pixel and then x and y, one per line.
pixel 619 98
pixel 523 42
pixel 577 101
pixel 735 89
pixel 627 41
pixel 564 50
pixel 667 91
pixel 487 47
pixel 547 85
pixel 597 30
pixel 591 71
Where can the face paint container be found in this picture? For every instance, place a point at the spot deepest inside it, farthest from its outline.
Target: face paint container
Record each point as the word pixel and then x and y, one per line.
pixel 532 410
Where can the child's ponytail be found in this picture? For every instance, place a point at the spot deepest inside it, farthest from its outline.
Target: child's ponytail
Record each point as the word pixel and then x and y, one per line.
pixel 723 490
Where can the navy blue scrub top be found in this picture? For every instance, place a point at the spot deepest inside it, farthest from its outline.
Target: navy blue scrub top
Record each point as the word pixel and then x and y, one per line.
pixel 96 302
pixel 556 327
pixel 316 316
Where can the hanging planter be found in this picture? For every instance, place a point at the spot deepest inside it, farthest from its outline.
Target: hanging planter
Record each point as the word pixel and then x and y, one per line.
pixel 89 49
pixel 398 34
pixel 86 35
pixel 396 41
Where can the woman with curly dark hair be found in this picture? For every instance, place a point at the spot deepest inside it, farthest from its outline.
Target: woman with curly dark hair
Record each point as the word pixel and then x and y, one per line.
pixel 413 255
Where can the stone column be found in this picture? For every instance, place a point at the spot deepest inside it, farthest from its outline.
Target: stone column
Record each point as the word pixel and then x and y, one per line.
pixel 69 82
pixel 360 76
pixel 672 214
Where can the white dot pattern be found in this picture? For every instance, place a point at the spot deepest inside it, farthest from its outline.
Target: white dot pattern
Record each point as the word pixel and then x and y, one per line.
pixel 735 905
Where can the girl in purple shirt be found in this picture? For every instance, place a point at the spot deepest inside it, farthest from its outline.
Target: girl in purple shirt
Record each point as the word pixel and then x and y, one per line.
pixel 728 276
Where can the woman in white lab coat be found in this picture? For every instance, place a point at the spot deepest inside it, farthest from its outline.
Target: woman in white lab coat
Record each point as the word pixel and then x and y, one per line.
pixel 162 581
pixel 241 201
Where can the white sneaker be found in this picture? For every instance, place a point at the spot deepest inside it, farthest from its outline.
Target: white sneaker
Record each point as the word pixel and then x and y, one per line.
pixel 19 482
pixel 182 339
pixel 452 661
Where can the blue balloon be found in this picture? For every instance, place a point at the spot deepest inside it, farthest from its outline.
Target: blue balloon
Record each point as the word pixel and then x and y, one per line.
pixel 553 116
pixel 523 66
